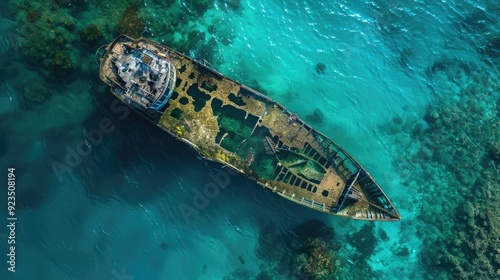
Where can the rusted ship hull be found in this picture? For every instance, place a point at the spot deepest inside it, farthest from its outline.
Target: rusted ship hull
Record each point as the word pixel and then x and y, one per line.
pixel 230 123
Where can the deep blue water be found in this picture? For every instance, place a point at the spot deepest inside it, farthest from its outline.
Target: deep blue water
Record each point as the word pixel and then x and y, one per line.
pixel 400 77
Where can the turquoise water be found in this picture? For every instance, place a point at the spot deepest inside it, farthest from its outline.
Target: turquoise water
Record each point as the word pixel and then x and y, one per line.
pixel 410 89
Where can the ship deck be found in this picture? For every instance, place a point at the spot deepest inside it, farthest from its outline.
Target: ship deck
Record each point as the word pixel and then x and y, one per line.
pixel 231 123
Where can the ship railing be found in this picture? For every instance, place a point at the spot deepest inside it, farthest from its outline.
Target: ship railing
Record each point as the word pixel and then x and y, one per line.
pixel 205 64
pixel 171 77
pixel 160 102
pixel 348 191
pixel 256 93
pixel 306 202
pixel 99 53
pixel 169 80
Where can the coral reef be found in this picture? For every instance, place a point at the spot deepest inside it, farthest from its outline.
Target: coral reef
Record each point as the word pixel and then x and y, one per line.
pixel 192 41
pixel 209 50
pixel 187 31
pixel 34 15
pixel 92 36
pixel 269 239
pixel 199 7
pixel 364 241
pixel 316 262
pixel 316 117
pixel 383 235
pixel 494 151
pixel 402 251
pixel 35 93
pixel 45 38
pixel 51 32
pixel 306 254
pixel 456 170
pixel 130 23
pixel 72 3
pixel 239 274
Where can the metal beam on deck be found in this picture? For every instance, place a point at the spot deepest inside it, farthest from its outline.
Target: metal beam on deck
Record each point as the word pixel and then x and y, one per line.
pixel 348 190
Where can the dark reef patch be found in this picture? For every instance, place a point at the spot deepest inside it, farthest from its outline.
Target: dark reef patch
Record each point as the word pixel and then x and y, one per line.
pixel 306 253
pixel 199 7
pixel 92 36
pixel 316 117
pixel 476 21
pixel 34 15
pixel 164 246
pixel 192 41
pixel 492 48
pixel 320 68
pixel 130 23
pixel 35 93
pixel 364 241
pixel 313 229
pixel 494 152
pixel 208 51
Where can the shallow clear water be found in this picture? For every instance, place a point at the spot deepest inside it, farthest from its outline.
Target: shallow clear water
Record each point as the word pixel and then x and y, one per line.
pixel 120 211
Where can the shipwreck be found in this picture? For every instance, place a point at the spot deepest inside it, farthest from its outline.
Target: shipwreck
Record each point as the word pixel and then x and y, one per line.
pixel 230 123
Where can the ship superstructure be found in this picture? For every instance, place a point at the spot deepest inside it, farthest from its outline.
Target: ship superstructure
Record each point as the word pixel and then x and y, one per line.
pixel 140 77
pixel 228 122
